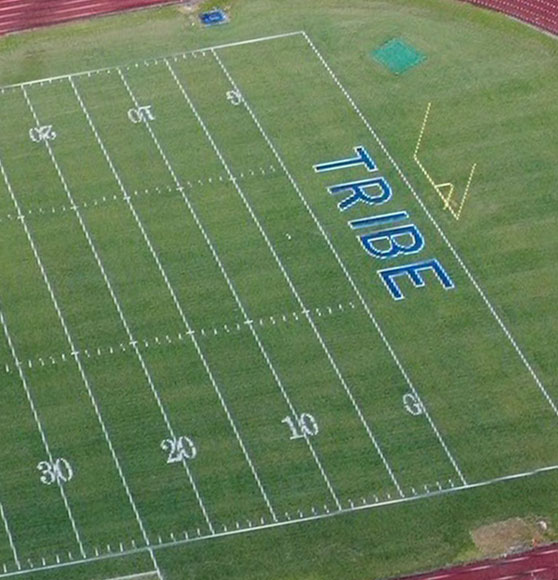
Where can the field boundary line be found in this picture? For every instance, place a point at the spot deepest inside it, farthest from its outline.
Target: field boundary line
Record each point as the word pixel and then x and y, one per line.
pixel 284 523
pixel 176 302
pixel 236 297
pixel 10 537
pixel 352 283
pixel 436 226
pixel 134 576
pixel 306 311
pixel 118 307
pixel 20 369
pixel 83 375
pixel 148 60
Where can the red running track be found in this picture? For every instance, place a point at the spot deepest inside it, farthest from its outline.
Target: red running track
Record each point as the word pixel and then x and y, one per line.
pixel 22 14
pixel 540 13
pixel 539 564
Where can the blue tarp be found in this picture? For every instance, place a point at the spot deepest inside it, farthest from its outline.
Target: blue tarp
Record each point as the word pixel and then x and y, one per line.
pixel 213 17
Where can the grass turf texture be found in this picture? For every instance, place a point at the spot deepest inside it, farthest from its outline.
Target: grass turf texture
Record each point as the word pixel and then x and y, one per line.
pixel 479 394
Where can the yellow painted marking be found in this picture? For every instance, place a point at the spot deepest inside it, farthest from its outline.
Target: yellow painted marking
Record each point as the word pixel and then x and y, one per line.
pixel 454 207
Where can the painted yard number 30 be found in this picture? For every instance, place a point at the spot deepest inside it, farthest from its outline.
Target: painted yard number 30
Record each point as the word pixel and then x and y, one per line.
pixel 56 471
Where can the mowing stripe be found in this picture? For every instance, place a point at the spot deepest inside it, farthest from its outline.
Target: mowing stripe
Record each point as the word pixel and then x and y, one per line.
pixel 9 533
pixel 151 60
pixel 85 380
pixel 176 302
pixel 356 290
pixel 75 354
pixel 227 279
pixel 306 311
pixel 20 369
pixel 123 320
pixel 491 308
pixel 303 519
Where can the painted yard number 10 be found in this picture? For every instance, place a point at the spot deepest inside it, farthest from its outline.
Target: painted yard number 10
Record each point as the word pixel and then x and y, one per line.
pixel 303 426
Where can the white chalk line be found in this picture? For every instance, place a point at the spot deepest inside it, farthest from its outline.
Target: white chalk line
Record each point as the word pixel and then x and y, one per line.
pixel 305 310
pixel 297 519
pixel 100 419
pixel 163 339
pixel 147 62
pixel 22 376
pixel 356 290
pixel 193 184
pixel 442 234
pixel 125 325
pixel 172 292
pixel 257 339
pixel 10 537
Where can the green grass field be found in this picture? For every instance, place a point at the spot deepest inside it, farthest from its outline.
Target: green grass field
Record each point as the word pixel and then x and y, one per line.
pixel 201 369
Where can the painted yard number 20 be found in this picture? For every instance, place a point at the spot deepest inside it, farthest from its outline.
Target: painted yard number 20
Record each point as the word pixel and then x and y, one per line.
pixel 179 449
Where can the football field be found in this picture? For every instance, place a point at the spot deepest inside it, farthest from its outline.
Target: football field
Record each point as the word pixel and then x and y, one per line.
pixel 225 308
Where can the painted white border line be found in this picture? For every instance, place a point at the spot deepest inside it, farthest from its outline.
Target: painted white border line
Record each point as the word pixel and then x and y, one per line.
pixel 350 280
pixel 149 60
pixel 149 548
pixel 441 233
pixel 256 528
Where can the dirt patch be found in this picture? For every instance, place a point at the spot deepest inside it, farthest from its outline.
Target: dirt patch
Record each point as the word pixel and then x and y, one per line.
pixel 190 7
pixel 510 535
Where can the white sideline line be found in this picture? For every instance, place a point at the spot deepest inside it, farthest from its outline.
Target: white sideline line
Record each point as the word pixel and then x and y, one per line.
pixel 9 533
pixel 438 228
pixel 295 293
pixel 77 359
pixel 233 291
pixel 175 300
pixel 135 576
pixel 118 307
pixel 149 60
pixel 284 523
pixel 24 379
pixel 357 291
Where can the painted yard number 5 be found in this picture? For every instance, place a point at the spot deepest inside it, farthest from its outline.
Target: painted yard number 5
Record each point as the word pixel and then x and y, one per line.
pixel 234 97
pixel 303 426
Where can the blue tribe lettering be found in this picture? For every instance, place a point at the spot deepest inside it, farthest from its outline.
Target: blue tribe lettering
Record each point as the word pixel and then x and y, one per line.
pixel 389 238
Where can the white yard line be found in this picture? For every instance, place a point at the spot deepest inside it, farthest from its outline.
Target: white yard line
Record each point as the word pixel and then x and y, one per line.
pixel 296 294
pixel 146 61
pixel 9 534
pixel 176 303
pixel 355 288
pixel 118 307
pixel 231 287
pixel 442 234
pixel 303 519
pixel 22 376
pixel 76 357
